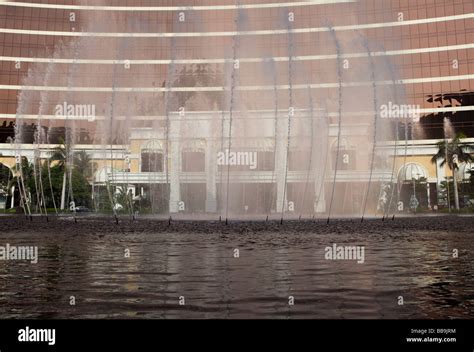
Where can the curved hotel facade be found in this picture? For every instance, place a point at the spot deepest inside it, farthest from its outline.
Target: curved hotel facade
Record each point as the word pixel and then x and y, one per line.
pixel 257 106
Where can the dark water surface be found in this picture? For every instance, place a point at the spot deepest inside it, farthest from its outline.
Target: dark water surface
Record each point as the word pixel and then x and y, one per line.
pixel 89 263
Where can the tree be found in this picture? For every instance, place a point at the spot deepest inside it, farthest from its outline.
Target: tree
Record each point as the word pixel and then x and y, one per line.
pixel 81 187
pixel 82 170
pixel 124 198
pixel 5 176
pixel 52 179
pixel 453 153
pixel 84 165
pixel 59 155
pixel 23 176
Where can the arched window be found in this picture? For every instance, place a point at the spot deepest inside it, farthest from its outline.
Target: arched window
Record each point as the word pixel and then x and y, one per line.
pixel 152 157
pixel 411 171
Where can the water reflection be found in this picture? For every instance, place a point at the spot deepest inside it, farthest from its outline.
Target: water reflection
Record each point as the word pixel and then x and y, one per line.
pixel 271 267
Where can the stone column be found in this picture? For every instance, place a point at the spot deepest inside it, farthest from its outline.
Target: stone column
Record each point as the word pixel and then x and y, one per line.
pixel 175 162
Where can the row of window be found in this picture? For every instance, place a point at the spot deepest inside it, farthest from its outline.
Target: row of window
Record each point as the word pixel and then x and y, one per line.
pixel 459 62
pixel 192 161
pixel 391 38
pixel 341 13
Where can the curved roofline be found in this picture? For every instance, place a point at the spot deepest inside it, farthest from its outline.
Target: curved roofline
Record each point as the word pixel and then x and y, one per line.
pixel 175 8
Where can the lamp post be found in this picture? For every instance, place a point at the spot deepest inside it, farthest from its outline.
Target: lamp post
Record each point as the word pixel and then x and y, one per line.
pixel 414 183
pixel 413 201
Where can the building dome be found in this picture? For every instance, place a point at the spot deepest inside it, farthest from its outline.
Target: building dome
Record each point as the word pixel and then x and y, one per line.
pixel 412 171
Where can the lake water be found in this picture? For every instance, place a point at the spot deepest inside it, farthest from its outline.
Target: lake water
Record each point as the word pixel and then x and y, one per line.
pixel 272 275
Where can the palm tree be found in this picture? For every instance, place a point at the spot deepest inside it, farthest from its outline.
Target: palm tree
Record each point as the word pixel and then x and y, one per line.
pixel 60 156
pixel 23 177
pixel 453 152
pixel 83 164
pixel 5 176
